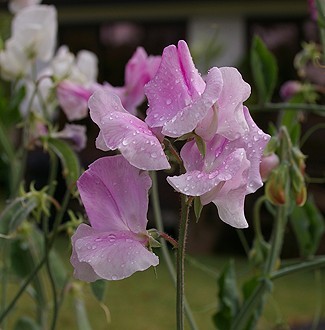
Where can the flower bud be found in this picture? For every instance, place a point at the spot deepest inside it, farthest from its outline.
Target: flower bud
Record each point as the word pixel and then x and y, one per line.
pixel 289 89
pixel 267 165
pixel 275 186
pixel 298 186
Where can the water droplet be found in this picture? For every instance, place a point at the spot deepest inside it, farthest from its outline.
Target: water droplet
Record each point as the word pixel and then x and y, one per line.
pixel 93 247
pixel 153 155
pixel 200 175
pixel 189 178
pixel 114 277
pixel 255 138
pixel 98 239
pixel 125 142
pixel 111 237
pixel 123 265
pixel 168 101
pixel 186 189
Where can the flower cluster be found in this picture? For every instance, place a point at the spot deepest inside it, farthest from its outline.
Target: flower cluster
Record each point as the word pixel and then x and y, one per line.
pixel 181 104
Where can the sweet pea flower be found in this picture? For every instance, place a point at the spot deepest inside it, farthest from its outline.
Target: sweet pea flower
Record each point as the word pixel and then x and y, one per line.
pixel 73 99
pixel 121 130
pixel 180 101
pixel 17 5
pixel 228 172
pixel 33 39
pixel 114 246
pixel 74 134
pixel 139 70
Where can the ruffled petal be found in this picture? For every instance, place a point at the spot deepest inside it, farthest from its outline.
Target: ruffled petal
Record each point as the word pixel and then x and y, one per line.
pixel 176 85
pixel 123 131
pixel 115 195
pixel 187 119
pixel 112 255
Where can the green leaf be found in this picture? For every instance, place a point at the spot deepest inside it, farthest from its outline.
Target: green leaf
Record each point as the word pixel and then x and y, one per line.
pixel 308 225
pixel 69 159
pixel 81 314
pixel 98 288
pixel 15 213
pixel 197 207
pixel 26 323
pixel 264 69
pixel 228 298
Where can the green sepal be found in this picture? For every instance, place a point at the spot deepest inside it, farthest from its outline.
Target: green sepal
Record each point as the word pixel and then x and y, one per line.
pixel 26 323
pixel 198 207
pixel 98 288
pixel 201 145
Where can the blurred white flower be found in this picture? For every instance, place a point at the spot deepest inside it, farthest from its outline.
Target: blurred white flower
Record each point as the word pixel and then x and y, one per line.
pixel 17 5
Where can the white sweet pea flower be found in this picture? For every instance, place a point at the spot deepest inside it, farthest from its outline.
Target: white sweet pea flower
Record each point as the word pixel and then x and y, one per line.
pixel 17 5
pixel 35 29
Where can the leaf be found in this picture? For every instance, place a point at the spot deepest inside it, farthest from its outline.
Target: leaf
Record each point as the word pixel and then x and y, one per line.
pixel 308 225
pixel 69 159
pixel 15 213
pixel 200 145
pixel 26 323
pixel 98 288
pixel 264 69
pixel 228 298
pixel 197 207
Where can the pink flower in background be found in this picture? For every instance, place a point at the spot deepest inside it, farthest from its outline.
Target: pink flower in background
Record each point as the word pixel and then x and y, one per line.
pixel 125 132
pixel 178 97
pixel 228 172
pixel 289 89
pixel 73 99
pixel 138 71
pixel 17 5
pixel 114 246
pixel 75 134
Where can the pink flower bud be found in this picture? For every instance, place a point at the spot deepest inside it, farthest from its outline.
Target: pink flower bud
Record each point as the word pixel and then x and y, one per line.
pixel 289 89
pixel 268 163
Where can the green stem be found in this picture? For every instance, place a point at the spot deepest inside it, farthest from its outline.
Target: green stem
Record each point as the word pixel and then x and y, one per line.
pixel 166 255
pixel 21 290
pixel 257 219
pixel 271 107
pixel 316 263
pixel 312 130
pixel 185 204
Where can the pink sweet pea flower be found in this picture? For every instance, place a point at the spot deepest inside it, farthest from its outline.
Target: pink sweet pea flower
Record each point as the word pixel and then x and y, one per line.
pixel 178 97
pixel 75 134
pixel 180 101
pixel 125 132
pixel 73 99
pixel 138 71
pixel 115 195
pixel 228 172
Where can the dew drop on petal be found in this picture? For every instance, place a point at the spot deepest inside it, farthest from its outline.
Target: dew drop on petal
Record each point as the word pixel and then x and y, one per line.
pixel 168 101
pixel 114 277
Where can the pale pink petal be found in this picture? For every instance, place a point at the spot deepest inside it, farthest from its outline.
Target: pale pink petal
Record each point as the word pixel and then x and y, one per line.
pixel 112 255
pixel 82 270
pixel 188 118
pixel 208 126
pixel 229 197
pixel 74 134
pixel 73 99
pixel 176 85
pixel 115 195
pixel 197 183
pixel 231 120
pixel 123 131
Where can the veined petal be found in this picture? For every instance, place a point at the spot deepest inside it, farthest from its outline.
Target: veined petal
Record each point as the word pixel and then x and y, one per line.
pixel 115 195
pixel 231 120
pixel 176 85
pixel 187 119
pixel 197 183
pixel 112 255
pixel 230 197
pixel 123 131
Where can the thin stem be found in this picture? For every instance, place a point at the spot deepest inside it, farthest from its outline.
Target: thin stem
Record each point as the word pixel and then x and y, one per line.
pixel 316 263
pixel 22 289
pixel 185 204
pixel 318 311
pixel 271 107
pixel 257 218
pixel 311 131
pixel 166 255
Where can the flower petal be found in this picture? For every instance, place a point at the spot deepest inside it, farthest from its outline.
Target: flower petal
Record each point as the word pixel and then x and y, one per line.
pixel 123 131
pixel 113 255
pixel 231 120
pixel 115 195
pixel 187 119
pixel 176 85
